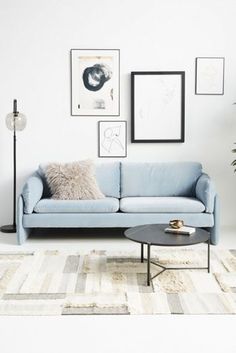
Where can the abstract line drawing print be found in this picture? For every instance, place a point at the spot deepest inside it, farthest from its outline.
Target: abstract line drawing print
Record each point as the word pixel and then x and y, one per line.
pixel 111 139
pixel 209 75
pixel 151 106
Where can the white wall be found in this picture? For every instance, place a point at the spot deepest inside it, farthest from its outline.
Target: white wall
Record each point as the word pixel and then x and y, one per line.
pixel 35 40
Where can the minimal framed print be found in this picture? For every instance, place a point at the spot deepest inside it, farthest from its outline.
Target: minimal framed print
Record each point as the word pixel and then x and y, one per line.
pixel 112 139
pixel 209 75
pixel 95 82
pixel 157 106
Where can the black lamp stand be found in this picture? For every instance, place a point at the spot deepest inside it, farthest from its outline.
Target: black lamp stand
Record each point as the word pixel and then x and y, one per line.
pixel 11 228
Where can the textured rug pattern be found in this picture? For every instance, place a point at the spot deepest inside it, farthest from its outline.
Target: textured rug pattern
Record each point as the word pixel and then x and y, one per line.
pixel 100 282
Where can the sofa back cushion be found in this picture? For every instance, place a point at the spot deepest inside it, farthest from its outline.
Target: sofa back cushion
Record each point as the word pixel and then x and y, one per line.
pixel 107 175
pixel 159 179
pixel 108 178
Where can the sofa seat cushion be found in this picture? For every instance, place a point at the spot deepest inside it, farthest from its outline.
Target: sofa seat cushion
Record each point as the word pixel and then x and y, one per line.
pixel 107 205
pixel 161 205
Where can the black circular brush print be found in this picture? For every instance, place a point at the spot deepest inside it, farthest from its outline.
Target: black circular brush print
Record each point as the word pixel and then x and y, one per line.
pixel 94 77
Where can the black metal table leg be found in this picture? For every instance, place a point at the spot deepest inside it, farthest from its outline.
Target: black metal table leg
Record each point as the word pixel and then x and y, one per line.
pixel 208 255
pixel 142 252
pixel 148 263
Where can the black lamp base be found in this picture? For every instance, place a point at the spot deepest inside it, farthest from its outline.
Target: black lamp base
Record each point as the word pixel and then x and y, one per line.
pixel 10 228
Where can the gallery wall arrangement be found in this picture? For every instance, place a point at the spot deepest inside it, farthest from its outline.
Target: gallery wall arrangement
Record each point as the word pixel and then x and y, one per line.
pixel 157 98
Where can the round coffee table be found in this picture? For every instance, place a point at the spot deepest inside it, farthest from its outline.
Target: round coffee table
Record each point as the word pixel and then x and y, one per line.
pixel 154 234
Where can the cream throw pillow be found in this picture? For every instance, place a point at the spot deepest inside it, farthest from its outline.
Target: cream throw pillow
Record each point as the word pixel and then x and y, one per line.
pixel 73 181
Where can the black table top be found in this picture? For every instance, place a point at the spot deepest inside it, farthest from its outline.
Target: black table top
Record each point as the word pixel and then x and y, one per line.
pixel 154 234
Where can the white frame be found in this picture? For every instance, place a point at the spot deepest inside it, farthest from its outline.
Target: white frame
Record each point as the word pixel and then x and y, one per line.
pixel 209 75
pixel 106 100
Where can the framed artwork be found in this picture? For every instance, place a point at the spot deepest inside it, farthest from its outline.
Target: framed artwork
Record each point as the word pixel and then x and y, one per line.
pixel 209 75
pixel 157 106
pixel 112 139
pixel 95 82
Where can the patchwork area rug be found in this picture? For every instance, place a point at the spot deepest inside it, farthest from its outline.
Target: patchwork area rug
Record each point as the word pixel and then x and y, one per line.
pixel 100 282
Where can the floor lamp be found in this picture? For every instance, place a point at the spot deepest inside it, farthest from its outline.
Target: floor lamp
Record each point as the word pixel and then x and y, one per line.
pixel 15 122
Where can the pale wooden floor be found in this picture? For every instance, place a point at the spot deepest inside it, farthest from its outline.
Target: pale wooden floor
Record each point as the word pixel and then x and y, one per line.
pixel 87 240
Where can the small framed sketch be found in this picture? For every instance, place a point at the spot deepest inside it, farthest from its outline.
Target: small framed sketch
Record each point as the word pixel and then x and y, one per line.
pixel 157 106
pixel 112 139
pixel 209 75
pixel 95 82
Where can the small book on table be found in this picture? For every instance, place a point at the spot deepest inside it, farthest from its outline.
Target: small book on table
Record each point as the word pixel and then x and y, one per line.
pixel 182 230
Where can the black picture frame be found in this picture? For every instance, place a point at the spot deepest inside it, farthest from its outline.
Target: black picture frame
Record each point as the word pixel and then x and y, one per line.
pixel 96 53
pixel 164 139
pixel 111 123
pixel 197 73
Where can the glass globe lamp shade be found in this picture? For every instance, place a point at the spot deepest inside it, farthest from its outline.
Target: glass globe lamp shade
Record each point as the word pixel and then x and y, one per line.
pixel 16 121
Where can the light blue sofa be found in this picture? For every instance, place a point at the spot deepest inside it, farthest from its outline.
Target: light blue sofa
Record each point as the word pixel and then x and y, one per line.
pixel 136 193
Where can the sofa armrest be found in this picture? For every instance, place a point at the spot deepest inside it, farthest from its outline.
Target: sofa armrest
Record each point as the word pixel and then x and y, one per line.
pixel 32 192
pixel 205 192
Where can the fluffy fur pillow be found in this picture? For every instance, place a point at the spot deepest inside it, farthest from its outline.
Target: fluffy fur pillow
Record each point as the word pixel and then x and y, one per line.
pixel 73 181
